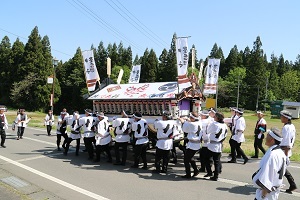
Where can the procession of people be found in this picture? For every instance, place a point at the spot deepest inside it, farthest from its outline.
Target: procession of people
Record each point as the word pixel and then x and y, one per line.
pixel 204 133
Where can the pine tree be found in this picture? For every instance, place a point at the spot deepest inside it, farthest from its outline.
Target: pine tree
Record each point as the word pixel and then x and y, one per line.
pixel 136 60
pixel 5 69
pixel 256 74
pixel 231 62
pixel 100 60
pixel 162 72
pixel 73 84
pixel 172 62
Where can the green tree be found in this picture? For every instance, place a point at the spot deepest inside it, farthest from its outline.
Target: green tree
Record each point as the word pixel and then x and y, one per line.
pixel 112 51
pixel 148 67
pixel 17 59
pixel 232 61
pixel 136 60
pixel 162 69
pixel 5 69
pixel 171 70
pixel 256 74
pixel 115 73
pixel 100 60
pixel 73 84
pixel 289 85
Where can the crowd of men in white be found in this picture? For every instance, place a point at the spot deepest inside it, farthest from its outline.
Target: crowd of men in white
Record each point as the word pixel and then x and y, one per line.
pixel 204 132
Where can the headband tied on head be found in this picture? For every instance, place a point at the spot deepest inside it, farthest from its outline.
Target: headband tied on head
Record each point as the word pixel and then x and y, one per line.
pixel 273 135
pixel 192 116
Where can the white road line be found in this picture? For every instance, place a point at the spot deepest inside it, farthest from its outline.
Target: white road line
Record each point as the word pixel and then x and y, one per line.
pixel 38 157
pixel 56 180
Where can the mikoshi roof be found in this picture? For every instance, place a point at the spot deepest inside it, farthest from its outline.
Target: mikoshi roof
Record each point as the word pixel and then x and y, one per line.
pixel 140 91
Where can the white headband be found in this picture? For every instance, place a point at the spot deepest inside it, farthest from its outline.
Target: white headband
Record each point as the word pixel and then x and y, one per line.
pixel 211 110
pixel 273 135
pixel 286 116
pixel 124 113
pixel 192 116
pixel 136 116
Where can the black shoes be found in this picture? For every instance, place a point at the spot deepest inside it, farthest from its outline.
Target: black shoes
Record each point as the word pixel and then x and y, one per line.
pixel 208 175
pixel 196 173
pixel 254 156
pixel 58 149
pixel 3 146
pixel 231 161
pixel 134 166
pixel 291 189
pixel 246 160
pixel 186 176
pixel 213 178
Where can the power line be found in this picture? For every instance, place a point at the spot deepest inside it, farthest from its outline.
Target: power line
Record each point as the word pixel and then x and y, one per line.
pixel 103 23
pixel 18 36
pixel 139 28
pixel 142 23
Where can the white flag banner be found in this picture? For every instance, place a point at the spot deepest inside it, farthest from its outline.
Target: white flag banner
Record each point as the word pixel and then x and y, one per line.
pixel 90 70
pixel 182 56
pixel 135 74
pixel 212 74
pixel 200 71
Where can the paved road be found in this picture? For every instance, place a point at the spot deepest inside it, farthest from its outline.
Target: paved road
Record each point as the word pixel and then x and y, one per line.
pixel 35 168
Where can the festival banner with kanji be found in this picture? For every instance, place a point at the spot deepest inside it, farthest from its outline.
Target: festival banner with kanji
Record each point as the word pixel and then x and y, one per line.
pixel 212 74
pixel 182 56
pixel 90 70
pixel 135 74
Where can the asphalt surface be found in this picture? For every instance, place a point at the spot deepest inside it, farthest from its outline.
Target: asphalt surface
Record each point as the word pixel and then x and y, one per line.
pixel 32 168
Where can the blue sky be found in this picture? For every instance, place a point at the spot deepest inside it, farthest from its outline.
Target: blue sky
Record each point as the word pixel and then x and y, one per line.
pixel 151 24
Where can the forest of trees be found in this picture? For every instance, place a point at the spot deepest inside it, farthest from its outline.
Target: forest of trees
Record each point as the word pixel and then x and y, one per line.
pixel 24 69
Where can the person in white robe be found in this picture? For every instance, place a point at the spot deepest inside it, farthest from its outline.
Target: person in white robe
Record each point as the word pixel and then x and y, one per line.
pixel 75 133
pixel 238 137
pixel 140 128
pixel 268 179
pixel 122 129
pixel 87 123
pixel 49 121
pixel 103 138
pixel 217 132
pixel 287 143
pixel 3 126
pixel 192 127
pixel 165 130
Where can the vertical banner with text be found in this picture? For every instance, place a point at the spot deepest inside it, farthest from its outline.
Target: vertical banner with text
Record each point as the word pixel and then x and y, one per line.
pixel 212 74
pixel 182 56
pixel 135 74
pixel 90 70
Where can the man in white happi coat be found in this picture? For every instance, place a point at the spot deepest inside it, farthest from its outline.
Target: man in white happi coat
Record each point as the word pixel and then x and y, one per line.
pixel 205 121
pixel 231 126
pixel 192 127
pixel 3 126
pixel 217 132
pixel 86 123
pixel 140 128
pixel 75 133
pixel 287 143
pixel 103 137
pixel 61 130
pixel 165 130
pixel 49 121
pixel 122 129
pixel 268 179
pixel 238 137
pixel 22 120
